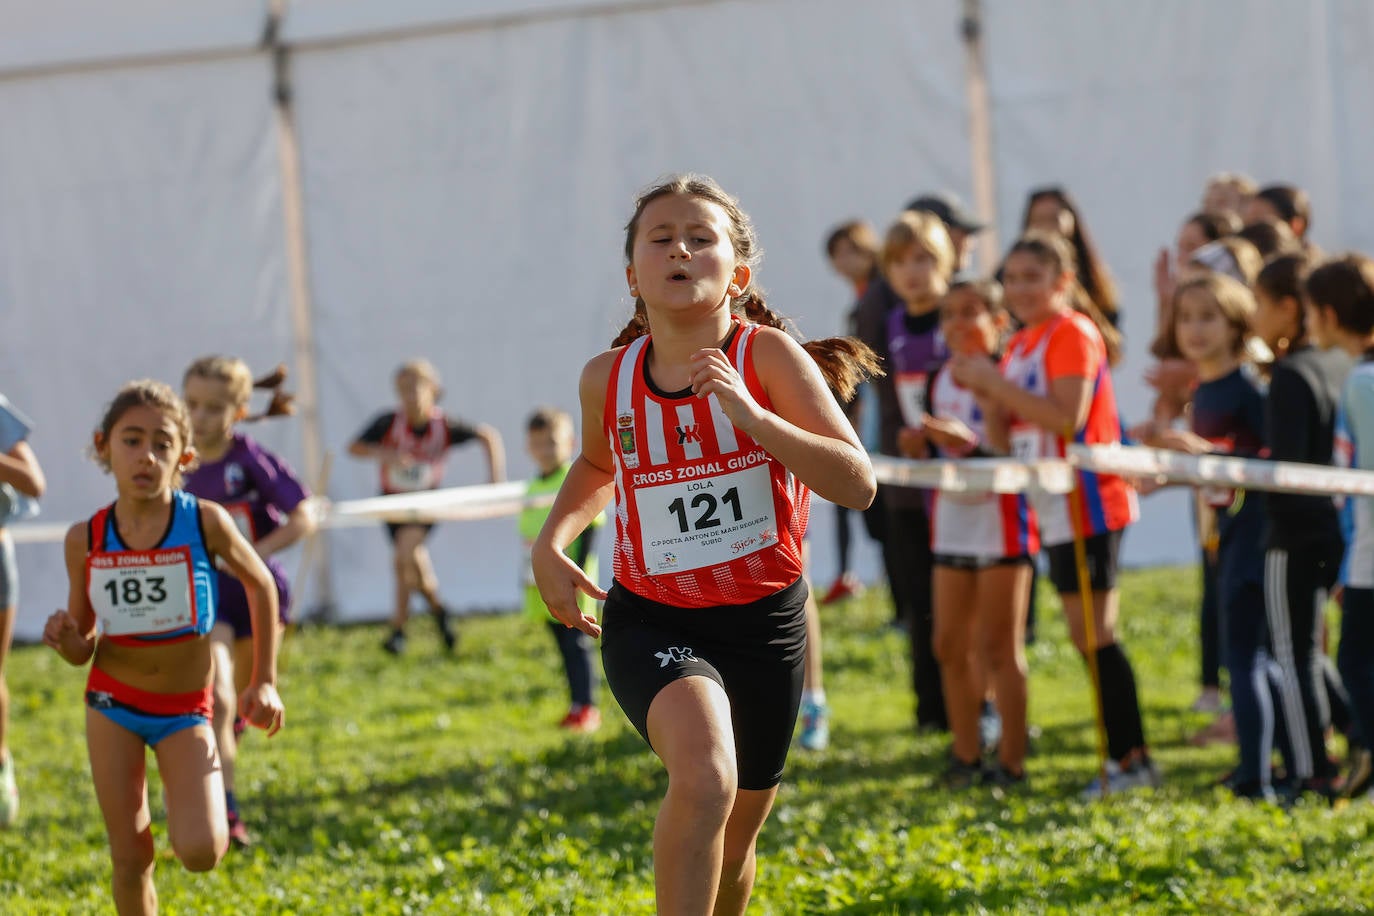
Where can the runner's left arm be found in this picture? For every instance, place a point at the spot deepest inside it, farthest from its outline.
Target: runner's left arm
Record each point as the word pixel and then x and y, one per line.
pixel 260 704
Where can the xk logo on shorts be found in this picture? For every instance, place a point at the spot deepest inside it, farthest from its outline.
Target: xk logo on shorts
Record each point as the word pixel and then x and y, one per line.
pixel 675 654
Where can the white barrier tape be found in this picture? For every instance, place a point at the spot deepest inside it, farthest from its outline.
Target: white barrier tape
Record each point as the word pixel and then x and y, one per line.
pixel 1250 473
pixel 449 504
pixel 34 533
pixel 974 475
pixel 1007 475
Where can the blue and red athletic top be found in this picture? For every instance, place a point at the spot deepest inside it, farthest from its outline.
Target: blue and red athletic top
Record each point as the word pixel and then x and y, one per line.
pixel 162 595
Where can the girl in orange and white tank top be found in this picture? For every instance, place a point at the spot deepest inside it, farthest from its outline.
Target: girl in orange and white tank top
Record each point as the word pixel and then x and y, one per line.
pixel 715 425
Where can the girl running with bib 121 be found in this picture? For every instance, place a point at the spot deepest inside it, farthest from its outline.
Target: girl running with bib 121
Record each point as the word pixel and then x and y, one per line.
pixel 268 504
pixel 142 601
pixel 1056 386
pixel 714 427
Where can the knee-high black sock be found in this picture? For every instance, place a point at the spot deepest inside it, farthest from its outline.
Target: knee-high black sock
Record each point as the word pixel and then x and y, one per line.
pixel 1120 704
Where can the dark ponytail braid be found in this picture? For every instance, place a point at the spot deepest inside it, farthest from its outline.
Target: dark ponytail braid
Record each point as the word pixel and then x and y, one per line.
pixel 283 403
pixel 637 326
pixel 845 362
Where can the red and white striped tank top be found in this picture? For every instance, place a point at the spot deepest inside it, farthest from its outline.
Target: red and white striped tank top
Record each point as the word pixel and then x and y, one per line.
pixel 426 452
pixel 704 516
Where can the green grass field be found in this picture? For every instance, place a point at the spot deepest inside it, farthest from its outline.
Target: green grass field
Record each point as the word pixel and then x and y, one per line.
pixel 439 785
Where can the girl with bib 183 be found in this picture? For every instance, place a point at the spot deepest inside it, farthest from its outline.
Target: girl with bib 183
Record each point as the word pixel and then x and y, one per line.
pixel 142 602
pixel 715 425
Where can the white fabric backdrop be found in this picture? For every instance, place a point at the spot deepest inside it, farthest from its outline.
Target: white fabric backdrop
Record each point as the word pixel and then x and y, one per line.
pixel 1131 106
pixel 140 226
pixel 466 194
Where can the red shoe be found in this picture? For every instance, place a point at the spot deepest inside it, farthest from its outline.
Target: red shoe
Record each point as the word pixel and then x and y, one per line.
pixel 845 586
pixel 238 834
pixel 586 719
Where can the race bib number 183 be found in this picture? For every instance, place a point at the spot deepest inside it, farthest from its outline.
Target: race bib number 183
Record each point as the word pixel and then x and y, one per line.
pixel 142 592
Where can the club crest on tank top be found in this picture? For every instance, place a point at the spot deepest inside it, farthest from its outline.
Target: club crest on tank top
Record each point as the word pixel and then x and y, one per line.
pixel 704 515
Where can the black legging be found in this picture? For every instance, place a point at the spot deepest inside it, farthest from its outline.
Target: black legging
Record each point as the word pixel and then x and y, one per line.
pixel 842 539
pixel 1211 623
pixel 907 555
pixel 1295 581
pixel 576 649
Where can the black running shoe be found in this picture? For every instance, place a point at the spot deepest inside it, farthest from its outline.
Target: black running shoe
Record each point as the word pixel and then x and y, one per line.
pixel 395 643
pixel 1359 778
pixel 446 633
pixel 1253 791
pixel 999 777
pixel 959 775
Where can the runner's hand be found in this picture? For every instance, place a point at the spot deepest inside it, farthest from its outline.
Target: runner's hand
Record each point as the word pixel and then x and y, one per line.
pixel 262 708
pixel 61 633
pixel 712 373
pixel 949 433
pixel 559 580
pixel 976 373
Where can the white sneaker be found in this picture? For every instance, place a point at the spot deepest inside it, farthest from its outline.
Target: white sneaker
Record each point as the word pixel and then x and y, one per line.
pixel 9 793
pixel 1140 774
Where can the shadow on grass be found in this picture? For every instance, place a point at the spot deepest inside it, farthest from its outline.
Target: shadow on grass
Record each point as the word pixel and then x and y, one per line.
pixel 475 797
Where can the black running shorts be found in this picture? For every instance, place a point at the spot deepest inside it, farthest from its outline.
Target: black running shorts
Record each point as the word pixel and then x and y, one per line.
pixel 1102 551
pixel 392 528
pixel 754 651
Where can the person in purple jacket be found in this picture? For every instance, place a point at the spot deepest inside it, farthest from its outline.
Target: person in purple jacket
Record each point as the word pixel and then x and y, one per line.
pixel 917 259
pixel 266 502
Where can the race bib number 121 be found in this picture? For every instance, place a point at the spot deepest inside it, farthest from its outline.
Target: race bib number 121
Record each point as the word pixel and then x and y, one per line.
pixel 690 524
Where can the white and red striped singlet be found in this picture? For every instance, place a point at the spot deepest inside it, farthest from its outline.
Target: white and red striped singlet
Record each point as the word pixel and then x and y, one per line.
pixel 704 516
pixel 426 451
pixel 983 526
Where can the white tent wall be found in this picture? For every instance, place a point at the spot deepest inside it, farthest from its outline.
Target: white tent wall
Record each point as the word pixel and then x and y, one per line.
pixel 466 191
pixel 1131 106
pixel 140 225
